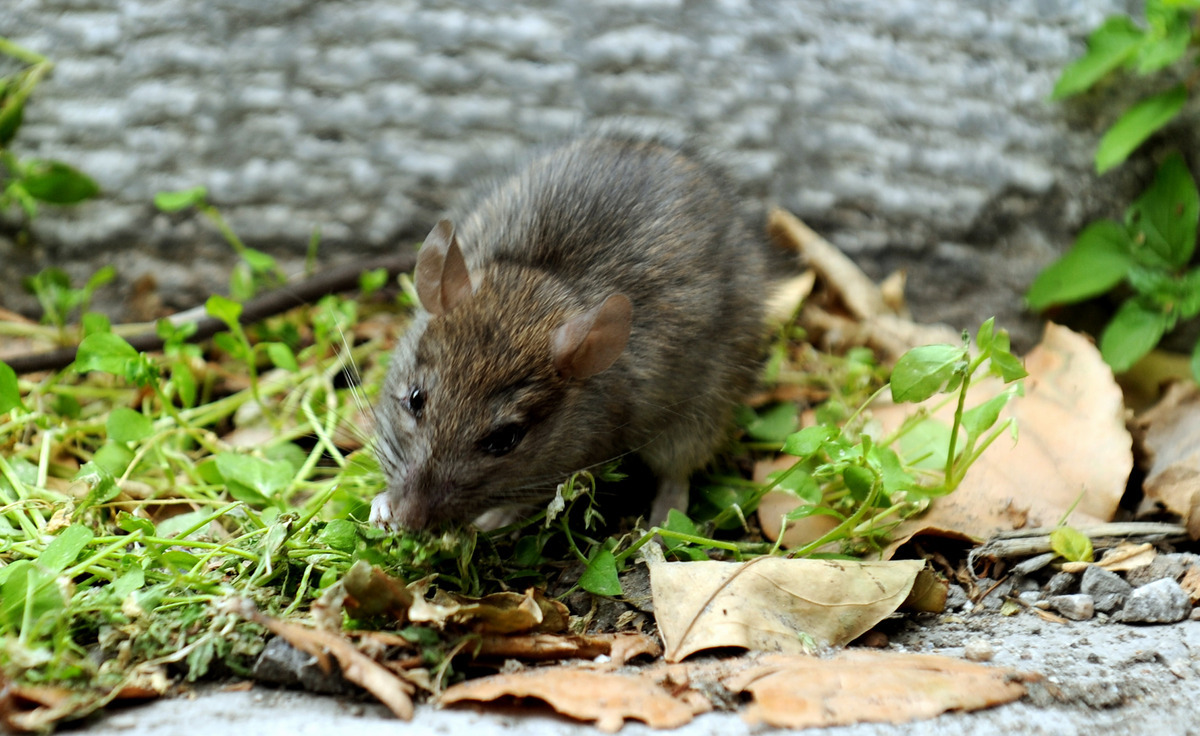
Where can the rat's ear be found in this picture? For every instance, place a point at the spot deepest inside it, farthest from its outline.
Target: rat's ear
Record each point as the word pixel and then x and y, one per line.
pixel 441 275
pixel 588 344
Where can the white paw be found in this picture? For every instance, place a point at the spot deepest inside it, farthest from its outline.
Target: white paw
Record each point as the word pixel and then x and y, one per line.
pixel 384 512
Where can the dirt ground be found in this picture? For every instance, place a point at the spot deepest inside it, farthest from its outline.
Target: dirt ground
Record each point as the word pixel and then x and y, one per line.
pixel 1101 678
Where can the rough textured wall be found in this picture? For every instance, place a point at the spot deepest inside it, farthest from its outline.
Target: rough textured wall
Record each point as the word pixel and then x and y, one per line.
pixel 913 133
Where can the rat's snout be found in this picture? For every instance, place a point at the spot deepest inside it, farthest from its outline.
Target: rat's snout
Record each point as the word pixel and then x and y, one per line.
pixel 414 505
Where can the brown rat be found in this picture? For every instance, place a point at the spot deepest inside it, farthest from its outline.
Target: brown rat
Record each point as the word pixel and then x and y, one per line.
pixel 606 298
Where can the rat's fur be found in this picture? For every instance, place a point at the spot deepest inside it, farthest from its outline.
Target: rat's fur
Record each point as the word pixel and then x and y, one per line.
pixel 599 216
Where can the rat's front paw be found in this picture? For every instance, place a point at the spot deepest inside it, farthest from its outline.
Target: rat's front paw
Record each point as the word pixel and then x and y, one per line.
pixel 385 512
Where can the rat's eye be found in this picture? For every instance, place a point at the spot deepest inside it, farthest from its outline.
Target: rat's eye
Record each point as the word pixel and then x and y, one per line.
pixel 503 440
pixel 414 402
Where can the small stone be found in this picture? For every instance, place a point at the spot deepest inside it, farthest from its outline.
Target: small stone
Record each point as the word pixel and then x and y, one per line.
pixel 1171 566
pixel 978 650
pixel 1160 602
pixel 1097 581
pixel 1030 597
pixel 956 598
pixel 1109 602
pixel 1077 607
pixel 1195 615
pixel 1060 584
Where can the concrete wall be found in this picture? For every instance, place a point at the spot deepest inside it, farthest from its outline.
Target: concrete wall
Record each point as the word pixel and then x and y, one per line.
pixel 913 133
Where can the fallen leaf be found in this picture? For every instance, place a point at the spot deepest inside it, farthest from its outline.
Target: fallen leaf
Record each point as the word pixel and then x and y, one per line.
pixel 1191 583
pixel 372 592
pixel 861 686
pixel 1126 556
pixel 605 698
pixel 1073 446
pixel 499 613
pixel 771 603
pixel 356 667
pixel 618 647
pixel 1170 434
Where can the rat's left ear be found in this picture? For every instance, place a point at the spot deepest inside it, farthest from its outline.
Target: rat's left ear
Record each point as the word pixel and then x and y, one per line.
pixel 441 275
pixel 589 344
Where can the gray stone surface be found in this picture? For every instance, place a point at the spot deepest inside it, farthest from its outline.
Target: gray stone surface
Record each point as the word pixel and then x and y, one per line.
pixel 913 133
pixel 1077 606
pixel 1163 601
pixel 1108 589
pixel 1100 679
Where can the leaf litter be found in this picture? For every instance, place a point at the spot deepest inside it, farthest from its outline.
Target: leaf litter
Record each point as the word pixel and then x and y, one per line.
pixel 796 606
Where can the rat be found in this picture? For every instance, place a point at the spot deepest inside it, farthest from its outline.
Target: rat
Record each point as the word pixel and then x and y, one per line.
pixel 605 298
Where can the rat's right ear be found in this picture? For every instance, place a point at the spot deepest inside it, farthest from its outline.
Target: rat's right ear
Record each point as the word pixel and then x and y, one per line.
pixel 441 276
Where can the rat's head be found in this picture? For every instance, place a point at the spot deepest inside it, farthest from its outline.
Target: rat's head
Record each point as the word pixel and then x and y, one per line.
pixel 487 402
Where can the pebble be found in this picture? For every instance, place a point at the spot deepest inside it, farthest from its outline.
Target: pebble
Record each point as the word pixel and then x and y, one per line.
pixel 1097 582
pixel 979 650
pixel 1163 601
pixel 1077 607
pixel 1030 597
pixel 1060 584
pixel 956 598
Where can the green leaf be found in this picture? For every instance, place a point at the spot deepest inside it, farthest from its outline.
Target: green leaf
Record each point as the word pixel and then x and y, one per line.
pixel 224 309
pixel 11 115
pixel 113 458
pixel 95 322
pixel 65 548
pixel 1167 44
pixel 1133 332
pixel 253 480
pixel 10 391
pixel 859 481
pixel 104 351
pixel 1071 544
pixel 1109 46
pixel 808 441
pixel 258 261
pixel 175 201
pixel 1137 124
pixel 126 425
pixel 774 424
pixel 600 576
pixel 372 280
pixel 184 382
pixel 985 334
pixel 57 183
pixel 1195 362
pixel 980 419
pixel 1166 214
pixel 102 488
pixel 1007 366
pixel 1097 262
pixel 130 523
pixel 923 371
pixel 128 581
pixel 24 580
pixel 282 356
pixel 341 535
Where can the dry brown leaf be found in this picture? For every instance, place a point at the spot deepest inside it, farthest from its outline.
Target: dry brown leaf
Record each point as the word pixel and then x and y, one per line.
pixel 768 603
pixel 619 647
pixel 1126 556
pixel 1073 443
pixel 1171 438
pixel 1191 583
pixel 372 592
pixel 499 613
pixel 356 667
pixel 864 686
pixel 603 697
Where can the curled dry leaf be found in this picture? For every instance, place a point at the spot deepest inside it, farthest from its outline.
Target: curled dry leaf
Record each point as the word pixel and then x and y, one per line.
pixel 1126 556
pixel 499 613
pixel 1170 435
pixel 372 592
pixel 603 697
pixel 619 647
pixel 356 667
pixel 862 686
pixel 770 604
pixel 1073 446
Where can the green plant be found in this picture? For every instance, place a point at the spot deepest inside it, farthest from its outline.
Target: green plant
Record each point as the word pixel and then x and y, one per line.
pixel 26 182
pixel 1149 253
pixel 1120 44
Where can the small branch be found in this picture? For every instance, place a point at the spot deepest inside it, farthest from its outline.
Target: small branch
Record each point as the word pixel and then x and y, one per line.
pixel 342 278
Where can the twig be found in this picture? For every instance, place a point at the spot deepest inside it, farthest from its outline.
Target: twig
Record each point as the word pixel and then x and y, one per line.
pixel 342 278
